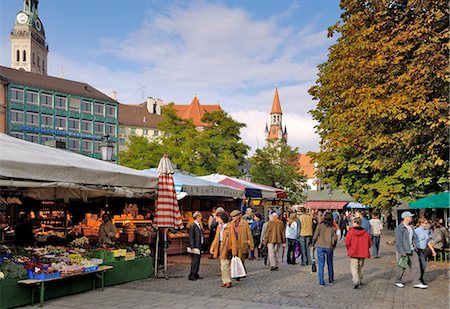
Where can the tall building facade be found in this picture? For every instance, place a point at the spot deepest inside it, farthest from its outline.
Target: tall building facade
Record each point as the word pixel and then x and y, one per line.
pixel 29 49
pixel 276 131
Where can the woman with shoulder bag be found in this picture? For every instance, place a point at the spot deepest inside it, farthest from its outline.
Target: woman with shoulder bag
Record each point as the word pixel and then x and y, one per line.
pixel 224 246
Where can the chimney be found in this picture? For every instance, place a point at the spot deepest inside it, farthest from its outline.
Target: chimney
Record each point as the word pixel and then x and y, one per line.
pixel 114 95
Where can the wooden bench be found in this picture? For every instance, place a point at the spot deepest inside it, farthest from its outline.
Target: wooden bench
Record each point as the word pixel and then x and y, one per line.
pixel 40 284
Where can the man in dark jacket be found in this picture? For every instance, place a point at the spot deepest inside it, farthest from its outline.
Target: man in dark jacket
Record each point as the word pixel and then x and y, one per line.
pixel 195 243
pixel 358 243
pixel 405 244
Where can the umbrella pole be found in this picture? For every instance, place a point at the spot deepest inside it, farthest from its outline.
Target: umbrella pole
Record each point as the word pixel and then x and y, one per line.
pixel 165 250
pixel 156 253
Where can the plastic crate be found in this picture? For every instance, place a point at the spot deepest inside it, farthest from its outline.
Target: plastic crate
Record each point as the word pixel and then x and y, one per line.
pixel 43 276
pixel 90 269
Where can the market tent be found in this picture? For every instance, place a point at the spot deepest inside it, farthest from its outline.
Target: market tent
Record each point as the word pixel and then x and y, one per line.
pixel 44 172
pixel 195 186
pixel 336 199
pixel 353 205
pixel 440 200
pixel 253 190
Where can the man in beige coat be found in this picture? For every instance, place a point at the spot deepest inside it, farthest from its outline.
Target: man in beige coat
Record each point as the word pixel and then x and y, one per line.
pixel 274 238
pixel 243 235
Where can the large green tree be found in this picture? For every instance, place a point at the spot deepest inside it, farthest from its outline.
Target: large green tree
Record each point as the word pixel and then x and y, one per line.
pixel 276 165
pixel 383 100
pixel 215 149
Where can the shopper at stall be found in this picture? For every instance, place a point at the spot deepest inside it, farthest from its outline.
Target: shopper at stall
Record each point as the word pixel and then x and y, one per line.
pixel 224 247
pixel 24 235
pixel 244 238
pixel 274 238
pixel 107 230
pixel 195 243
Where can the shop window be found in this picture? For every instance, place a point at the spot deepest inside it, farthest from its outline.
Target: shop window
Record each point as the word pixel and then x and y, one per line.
pixel 46 100
pixel 46 121
pixel 32 97
pixel 16 95
pixel 32 119
pixel 16 116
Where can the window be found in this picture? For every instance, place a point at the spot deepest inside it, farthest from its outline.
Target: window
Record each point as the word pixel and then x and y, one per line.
pixel 46 138
pixel 99 128
pixel 46 120
pixel 17 135
pixel 24 56
pixel 32 97
pixel 111 129
pixel 74 124
pixel 86 107
pixel 32 119
pixel 46 100
pixel 86 145
pixel 74 144
pixel 34 58
pixel 99 109
pixel 61 140
pixel 122 130
pixel 145 132
pixel 34 138
pixel 60 102
pixel 16 95
pixel 110 111
pixel 155 133
pixel 121 141
pixel 133 131
pixel 86 126
pixel 60 123
pixel 16 116
pixel 18 55
pixel 39 62
pixel 74 105
pixel 97 147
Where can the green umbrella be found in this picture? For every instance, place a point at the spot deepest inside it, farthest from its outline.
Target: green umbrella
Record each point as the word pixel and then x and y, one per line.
pixel 440 200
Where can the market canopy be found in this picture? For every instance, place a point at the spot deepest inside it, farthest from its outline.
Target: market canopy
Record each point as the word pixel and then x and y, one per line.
pixel 353 205
pixel 43 172
pixel 440 200
pixel 252 190
pixel 324 199
pixel 196 186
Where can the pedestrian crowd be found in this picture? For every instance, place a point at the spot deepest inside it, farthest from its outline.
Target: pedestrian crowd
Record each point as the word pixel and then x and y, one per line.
pixel 304 235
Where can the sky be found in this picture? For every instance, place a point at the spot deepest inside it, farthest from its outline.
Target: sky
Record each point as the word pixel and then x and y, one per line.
pixel 231 53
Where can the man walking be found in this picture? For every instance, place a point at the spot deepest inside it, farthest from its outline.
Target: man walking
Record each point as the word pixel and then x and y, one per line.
pixel 243 235
pixel 405 244
pixel 376 226
pixel 195 242
pixel 273 239
pixel 306 232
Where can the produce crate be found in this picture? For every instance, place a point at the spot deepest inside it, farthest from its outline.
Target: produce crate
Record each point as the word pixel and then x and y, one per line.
pixel 90 269
pixel 106 256
pixel 130 256
pixel 43 276
pixel 119 252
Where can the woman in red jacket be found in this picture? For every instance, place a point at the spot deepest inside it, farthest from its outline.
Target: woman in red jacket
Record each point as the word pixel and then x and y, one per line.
pixel 358 243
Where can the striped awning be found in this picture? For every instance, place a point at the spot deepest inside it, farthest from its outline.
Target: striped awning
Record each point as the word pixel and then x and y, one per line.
pixel 324 205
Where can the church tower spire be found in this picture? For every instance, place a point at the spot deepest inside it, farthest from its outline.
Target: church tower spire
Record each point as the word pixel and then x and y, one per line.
pixel 28 47
pixel 276 131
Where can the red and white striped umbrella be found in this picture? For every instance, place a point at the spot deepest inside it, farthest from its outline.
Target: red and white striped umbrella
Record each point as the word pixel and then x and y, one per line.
pixel 167 212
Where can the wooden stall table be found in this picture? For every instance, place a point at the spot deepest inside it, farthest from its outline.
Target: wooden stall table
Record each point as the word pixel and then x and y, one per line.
pixel 40 284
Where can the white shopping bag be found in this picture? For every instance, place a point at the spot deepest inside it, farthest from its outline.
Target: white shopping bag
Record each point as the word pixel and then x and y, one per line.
pixel 237 268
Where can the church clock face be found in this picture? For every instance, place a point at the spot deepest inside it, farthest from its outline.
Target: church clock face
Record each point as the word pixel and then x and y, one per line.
pixel 38 25
pixel 22 18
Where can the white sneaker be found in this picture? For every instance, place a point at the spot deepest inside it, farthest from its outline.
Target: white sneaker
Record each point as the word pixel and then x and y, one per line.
pixel 399 285
pixel 421 286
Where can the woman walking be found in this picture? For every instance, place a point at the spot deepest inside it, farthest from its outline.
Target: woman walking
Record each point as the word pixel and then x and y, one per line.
pixel 422 242
pixel 291 236
pixel 325 238
pixel 224 247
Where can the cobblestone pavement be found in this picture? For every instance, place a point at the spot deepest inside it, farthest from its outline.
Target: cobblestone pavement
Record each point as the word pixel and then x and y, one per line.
pixel 291 286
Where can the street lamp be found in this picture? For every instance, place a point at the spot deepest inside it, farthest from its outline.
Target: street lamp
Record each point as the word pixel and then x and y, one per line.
pixel 106 148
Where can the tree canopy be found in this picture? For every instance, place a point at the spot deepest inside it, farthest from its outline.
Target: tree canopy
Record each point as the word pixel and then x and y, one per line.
pixel 383 101
pixel 215 149
pixel 276 165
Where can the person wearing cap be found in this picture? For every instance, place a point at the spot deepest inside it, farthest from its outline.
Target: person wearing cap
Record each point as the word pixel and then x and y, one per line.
pixel 274 237
pixel 244 238
pixel 405 244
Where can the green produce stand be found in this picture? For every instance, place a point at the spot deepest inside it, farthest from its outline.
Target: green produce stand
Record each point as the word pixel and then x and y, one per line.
pixel 13 294
pixel 126 271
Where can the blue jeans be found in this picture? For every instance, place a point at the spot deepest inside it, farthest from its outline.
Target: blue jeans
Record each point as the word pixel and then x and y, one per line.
pixel 375 244
pixel 327 253
pixel 304 249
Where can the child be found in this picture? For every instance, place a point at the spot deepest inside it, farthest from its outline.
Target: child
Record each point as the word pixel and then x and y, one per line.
pixel 358 243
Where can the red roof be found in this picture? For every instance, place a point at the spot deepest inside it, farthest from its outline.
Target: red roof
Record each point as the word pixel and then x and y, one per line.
pixel 195 111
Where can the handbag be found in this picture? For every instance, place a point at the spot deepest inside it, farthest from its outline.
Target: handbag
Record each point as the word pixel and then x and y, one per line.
pixel 237 269
pixel 313 264
pixel 403 261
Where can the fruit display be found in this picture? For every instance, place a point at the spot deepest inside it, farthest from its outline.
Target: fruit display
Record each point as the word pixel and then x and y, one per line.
pixel 79 242
pixel 141 250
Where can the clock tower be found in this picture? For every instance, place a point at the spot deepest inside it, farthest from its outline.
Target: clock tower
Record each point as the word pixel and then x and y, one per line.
pixel 28 47
pixel 276 131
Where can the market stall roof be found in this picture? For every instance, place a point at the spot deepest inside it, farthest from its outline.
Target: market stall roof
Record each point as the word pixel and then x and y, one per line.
pixel 29 165
pixel 252 189
pixel 196 186
pixel 353 205
pixel 440 200
pixel 323 199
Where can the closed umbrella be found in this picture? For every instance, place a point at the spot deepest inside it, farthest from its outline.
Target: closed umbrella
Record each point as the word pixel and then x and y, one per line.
pixel 167 213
